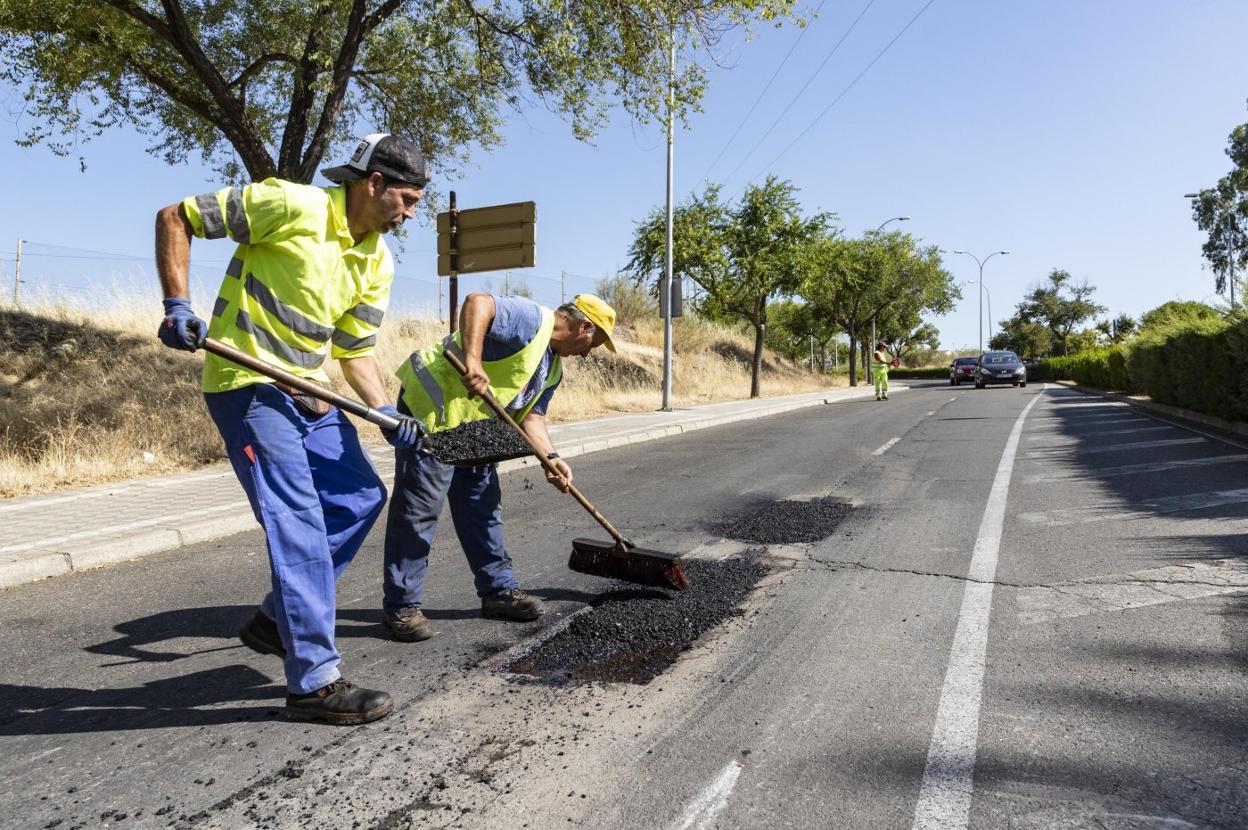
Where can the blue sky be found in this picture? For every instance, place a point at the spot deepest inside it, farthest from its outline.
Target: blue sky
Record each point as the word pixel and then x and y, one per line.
pixel 1064 131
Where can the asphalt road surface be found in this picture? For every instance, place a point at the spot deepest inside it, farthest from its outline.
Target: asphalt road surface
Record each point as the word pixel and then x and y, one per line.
pixel 1034 616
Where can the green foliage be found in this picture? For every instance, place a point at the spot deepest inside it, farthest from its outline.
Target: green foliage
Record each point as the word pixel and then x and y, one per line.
pixel 1060 305
pixel 921 373
pixel 1103 368
pixel 1026 338
pixel 1178 312
pixel 1197 365
pixel 1221 212
pixel 236 82
pixel 740 255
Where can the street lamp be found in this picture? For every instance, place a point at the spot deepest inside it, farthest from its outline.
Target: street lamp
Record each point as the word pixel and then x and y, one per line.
pixel 981 291
pixel 877 230
pixel 1230 246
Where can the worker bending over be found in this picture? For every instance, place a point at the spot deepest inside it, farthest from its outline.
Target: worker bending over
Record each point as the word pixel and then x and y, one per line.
pixel 310 279
pixel 513 347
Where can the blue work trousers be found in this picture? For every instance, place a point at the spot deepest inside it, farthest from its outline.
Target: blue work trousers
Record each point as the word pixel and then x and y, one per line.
pixel 314 491
pixel 421 485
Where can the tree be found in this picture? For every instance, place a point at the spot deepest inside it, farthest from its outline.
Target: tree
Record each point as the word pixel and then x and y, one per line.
pixel 1117 330
pixel 1061 304
pixel 265 88
pixel 741 255
pixel 1221 212
pixel 889 277
pixel 1026 338
pixel 923 337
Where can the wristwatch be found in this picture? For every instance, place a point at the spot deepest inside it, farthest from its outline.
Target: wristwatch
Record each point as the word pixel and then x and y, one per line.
pixel 551 456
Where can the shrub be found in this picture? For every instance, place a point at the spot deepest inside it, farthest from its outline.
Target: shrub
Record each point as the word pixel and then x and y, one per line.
pixel 1103 368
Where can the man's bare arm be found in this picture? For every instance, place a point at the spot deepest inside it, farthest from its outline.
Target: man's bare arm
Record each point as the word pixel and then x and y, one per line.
pixel 474 322
pixel 363 374
pixel 534 426
pixel 173 251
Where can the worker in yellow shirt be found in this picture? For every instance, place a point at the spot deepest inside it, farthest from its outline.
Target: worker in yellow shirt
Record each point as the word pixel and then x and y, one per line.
pixel 880 363
pixel 309 280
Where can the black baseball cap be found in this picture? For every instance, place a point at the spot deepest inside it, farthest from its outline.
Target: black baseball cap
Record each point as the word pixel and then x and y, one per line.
pixel 389 155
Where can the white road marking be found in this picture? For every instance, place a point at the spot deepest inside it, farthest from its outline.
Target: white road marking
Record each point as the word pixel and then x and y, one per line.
pixel 1134 469
pixel 1143 510
pixel 1121 415
pixel 702 811
pixel 949 777
pixel 1087 436
pixel 1120 592
pixel 930 414
pixel 1133 445
pixel 887 446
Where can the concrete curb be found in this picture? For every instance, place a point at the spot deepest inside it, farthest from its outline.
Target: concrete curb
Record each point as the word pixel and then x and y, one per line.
pixel 67 555
pixel 1237 429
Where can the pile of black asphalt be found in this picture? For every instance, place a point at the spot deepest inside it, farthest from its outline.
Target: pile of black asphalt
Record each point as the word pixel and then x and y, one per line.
pixel 787 522
pixel 476 442
pixel 633 634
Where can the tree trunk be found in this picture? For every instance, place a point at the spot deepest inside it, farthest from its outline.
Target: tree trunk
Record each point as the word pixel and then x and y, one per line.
pixel 757 367
pixel 853 358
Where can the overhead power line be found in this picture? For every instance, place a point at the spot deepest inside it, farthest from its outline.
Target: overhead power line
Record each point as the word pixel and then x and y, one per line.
pixel 757 100
pixel 809 81
pixel 844 91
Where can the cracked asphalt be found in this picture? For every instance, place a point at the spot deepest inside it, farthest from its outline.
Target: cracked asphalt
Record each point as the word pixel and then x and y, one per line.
pixel 1115 690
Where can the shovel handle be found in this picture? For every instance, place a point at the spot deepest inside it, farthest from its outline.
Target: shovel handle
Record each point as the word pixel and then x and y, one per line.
pixel 302 384
pixel 539 453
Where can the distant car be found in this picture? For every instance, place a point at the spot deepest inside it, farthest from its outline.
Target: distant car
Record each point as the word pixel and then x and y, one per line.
pixel 1000 367
pixel 963 368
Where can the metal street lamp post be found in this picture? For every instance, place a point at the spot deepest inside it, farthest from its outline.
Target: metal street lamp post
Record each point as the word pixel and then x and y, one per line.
pixel 1229 235
pixel 877 230
pixel 981 290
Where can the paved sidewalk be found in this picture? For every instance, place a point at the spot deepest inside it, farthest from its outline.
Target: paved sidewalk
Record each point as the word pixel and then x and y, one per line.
pixel 51 535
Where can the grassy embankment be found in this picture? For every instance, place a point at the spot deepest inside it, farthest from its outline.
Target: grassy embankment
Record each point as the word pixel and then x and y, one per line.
pixel 85 400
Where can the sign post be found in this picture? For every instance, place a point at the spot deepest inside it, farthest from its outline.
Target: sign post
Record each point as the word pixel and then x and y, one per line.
pixel 484 239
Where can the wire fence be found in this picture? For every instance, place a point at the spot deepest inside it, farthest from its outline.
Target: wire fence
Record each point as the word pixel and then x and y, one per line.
pixel 56 275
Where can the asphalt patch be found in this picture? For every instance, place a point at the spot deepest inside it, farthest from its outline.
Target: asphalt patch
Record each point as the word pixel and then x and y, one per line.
pixel 476 442
pixel 631 635
pixel 788 522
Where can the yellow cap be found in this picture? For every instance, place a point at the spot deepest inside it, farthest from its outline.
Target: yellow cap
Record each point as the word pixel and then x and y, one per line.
pixel 598 313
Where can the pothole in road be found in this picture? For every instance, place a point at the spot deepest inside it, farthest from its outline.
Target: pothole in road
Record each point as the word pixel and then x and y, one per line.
pixel 476 442
pixel 631 635
pixel 787 522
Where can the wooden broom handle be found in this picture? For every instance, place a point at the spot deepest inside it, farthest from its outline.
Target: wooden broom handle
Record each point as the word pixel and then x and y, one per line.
pixel 538 452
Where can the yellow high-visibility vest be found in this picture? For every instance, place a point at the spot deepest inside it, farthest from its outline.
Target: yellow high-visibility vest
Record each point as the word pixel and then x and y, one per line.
pixel 435 396
pixel 298 288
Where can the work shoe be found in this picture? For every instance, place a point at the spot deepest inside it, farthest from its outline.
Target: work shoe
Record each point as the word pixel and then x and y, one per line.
pixel 261 636
pixel 340 702
pixel 512 605
pixel 408 624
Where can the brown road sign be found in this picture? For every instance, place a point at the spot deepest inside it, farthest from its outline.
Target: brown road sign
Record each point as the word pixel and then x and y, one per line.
pixel 489 238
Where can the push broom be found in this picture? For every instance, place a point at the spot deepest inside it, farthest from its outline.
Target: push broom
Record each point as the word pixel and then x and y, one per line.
pixel 619 560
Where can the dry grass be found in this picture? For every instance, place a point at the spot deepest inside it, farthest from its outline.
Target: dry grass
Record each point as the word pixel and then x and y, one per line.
pixel 86 399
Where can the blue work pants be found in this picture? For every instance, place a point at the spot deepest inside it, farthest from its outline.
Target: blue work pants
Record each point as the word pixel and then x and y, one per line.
pixel 314 491
pixel 421 485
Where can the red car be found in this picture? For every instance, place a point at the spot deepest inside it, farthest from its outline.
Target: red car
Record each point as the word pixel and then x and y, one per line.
pixel 962 369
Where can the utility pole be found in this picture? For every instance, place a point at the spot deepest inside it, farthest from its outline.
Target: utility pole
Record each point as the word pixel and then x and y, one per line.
pixel 17 276
pixel 506 283
pixel 667 265
pixel 441 319
pixel 812 353
pixel 563 287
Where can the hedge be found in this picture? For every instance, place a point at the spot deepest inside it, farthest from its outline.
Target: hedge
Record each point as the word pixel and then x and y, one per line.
pixel 1200 365
pixel 925 373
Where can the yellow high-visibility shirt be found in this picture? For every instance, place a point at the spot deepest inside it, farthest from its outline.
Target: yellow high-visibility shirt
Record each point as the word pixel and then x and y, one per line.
pixel 298 288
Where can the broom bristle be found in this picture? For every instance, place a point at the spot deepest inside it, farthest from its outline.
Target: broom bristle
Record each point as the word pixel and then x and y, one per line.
pixel 632 566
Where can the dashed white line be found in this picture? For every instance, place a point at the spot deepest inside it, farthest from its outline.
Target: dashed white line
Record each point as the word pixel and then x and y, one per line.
pixel 930 414
pixel 702 811
pixel 888 445
pixel 945 795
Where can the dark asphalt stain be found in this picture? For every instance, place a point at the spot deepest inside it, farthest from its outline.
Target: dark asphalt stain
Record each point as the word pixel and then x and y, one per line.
pixel 787 522
pixel 476 442
pixel 633 634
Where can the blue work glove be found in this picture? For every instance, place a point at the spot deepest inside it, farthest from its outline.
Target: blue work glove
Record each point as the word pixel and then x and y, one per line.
pixel 181 328
pixel 408 433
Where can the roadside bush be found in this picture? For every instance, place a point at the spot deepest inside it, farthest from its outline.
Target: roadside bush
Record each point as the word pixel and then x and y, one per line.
pixel 1103 368
pixel 1196 364
pixel 921 373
